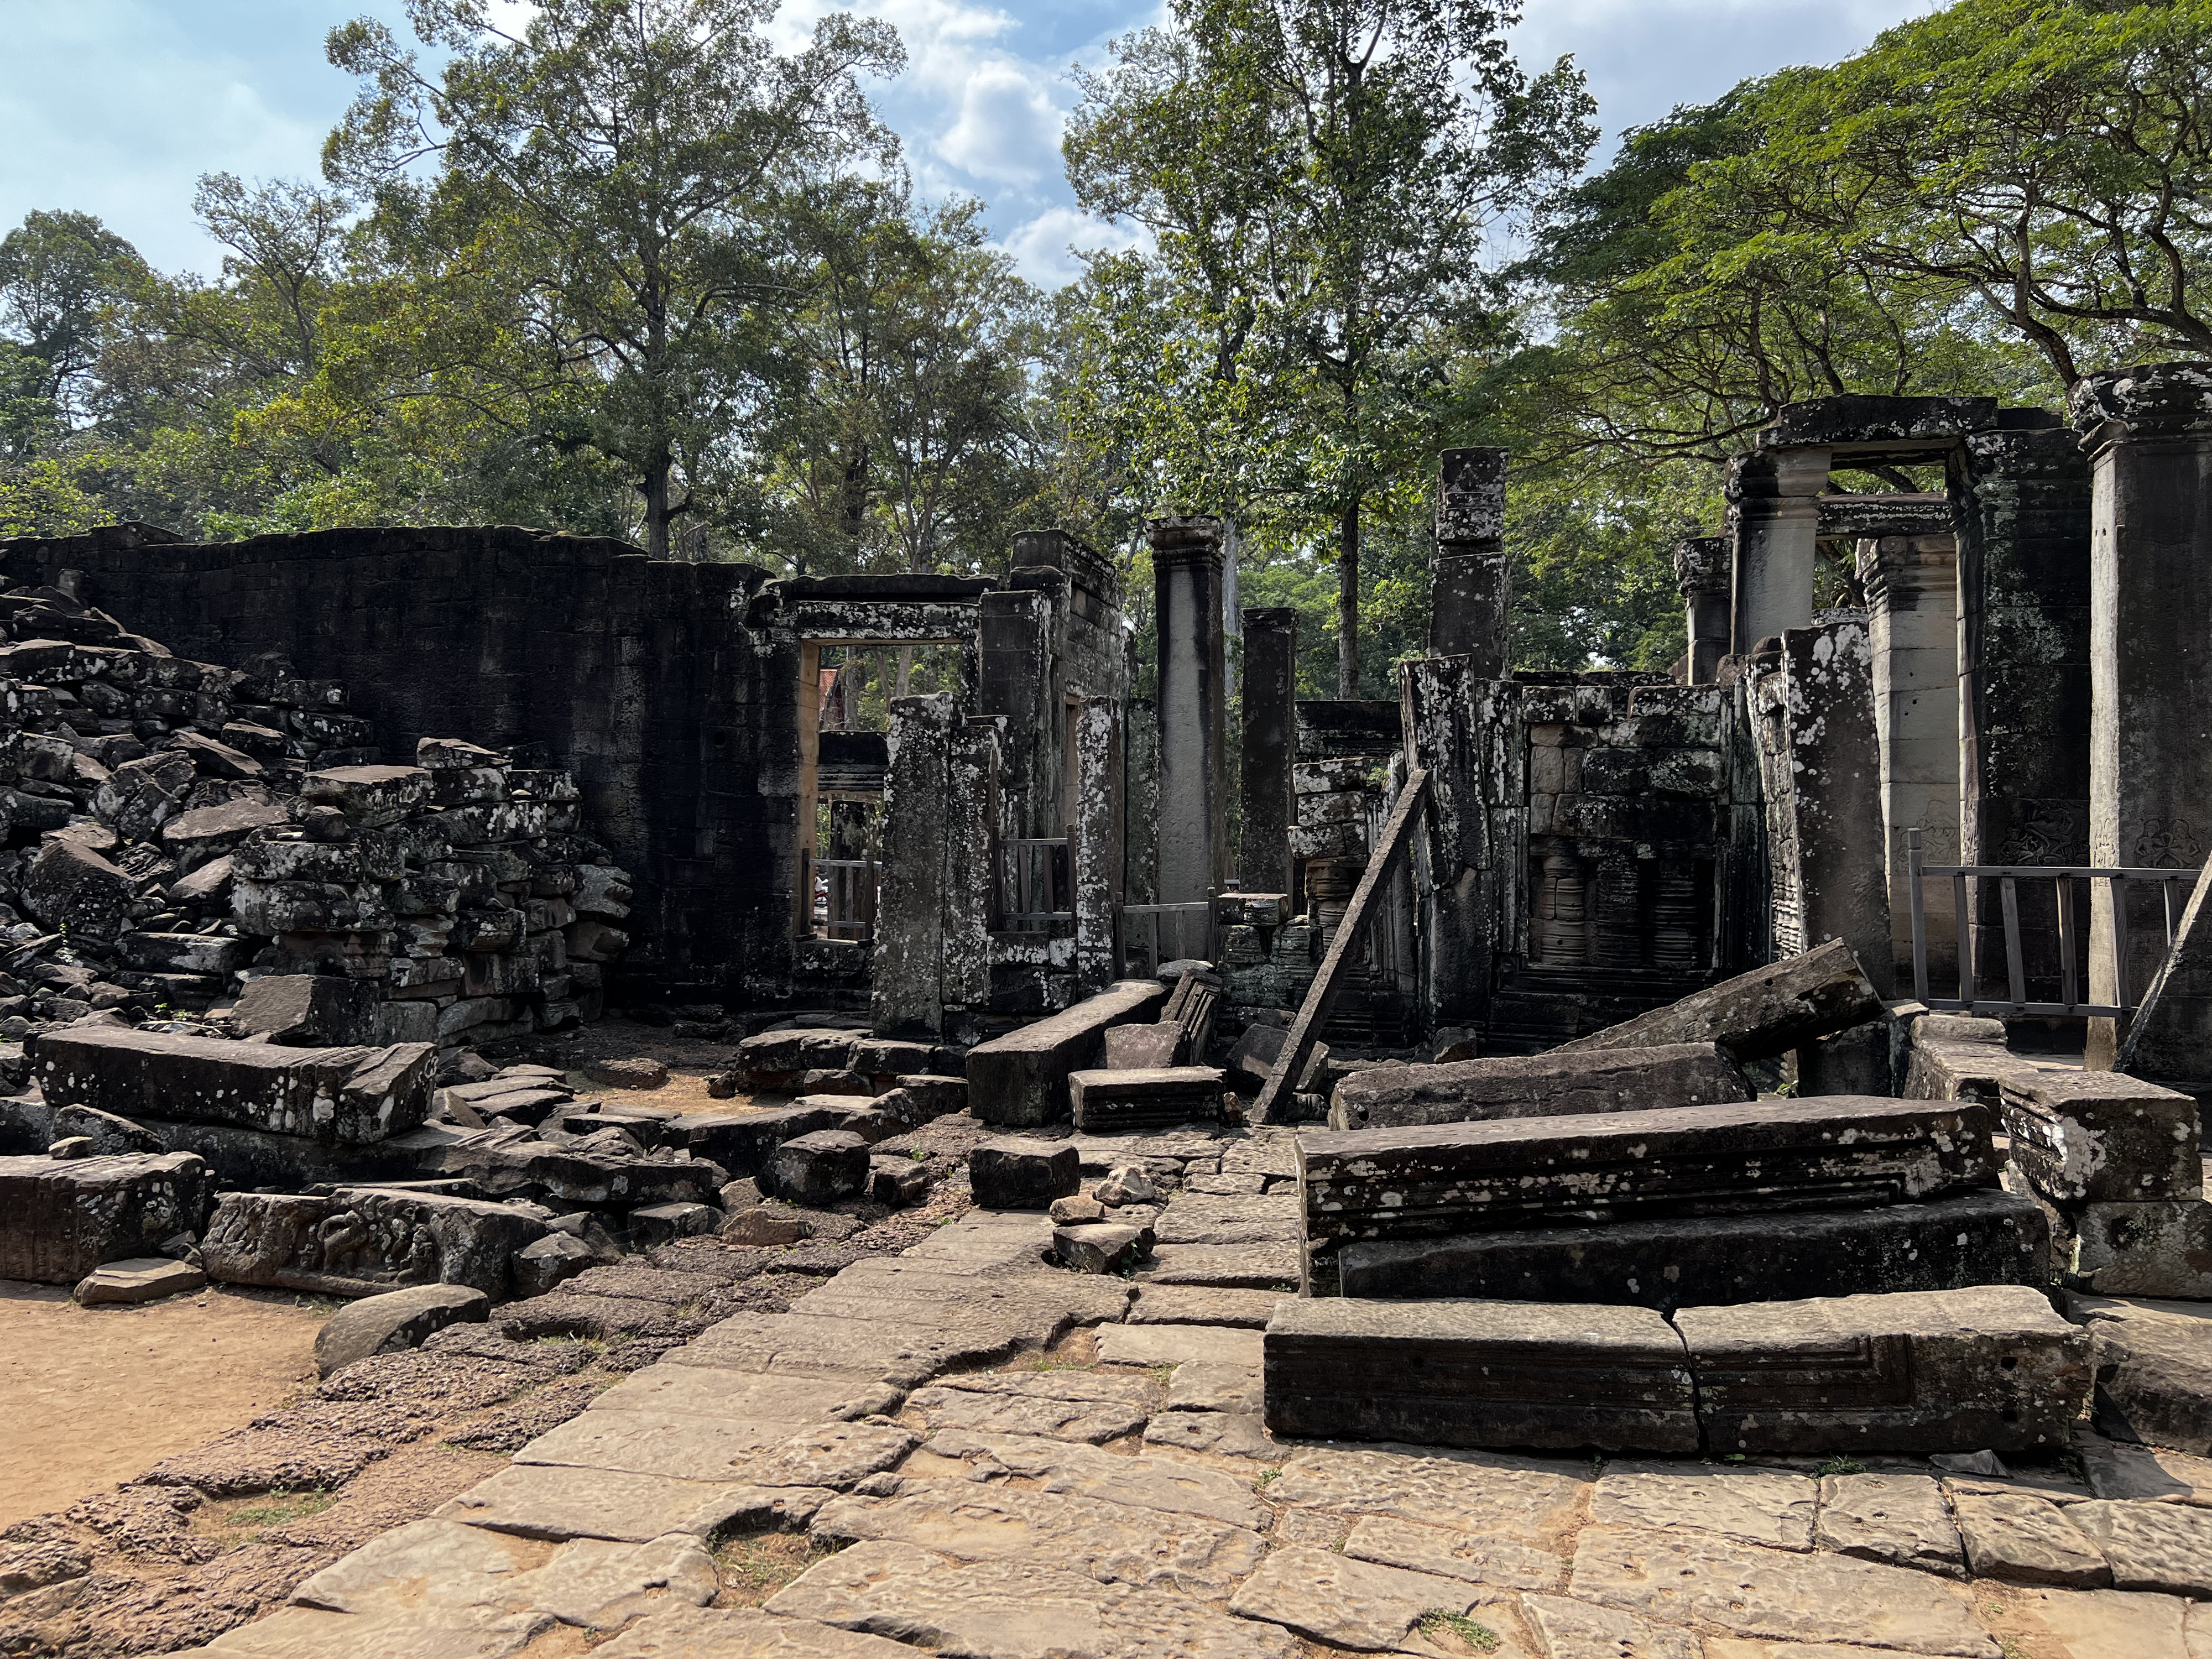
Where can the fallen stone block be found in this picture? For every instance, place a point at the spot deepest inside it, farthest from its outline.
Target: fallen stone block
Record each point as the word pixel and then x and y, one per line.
pixel 1451 1178
pixel 308 1010
pixel 1471 1373
pixel 108 1133
pixel 186 953
pixel 1759 1015
pixel 70 887
pixel 2153 1363
pixel 349 1095
pixel 741 1141
pixel 927 1097
pixel 137 1280
pixel 60 1221
pixel 898 1183
pixel 506 1168
pixel 540 1265
pixel 1971 1238
pixel 1020 1079
pixel 1252 1061
pixel 633 1073
pixel 1144 1047
pixel 2103 1137
pixel 664 1224
pixel 1960 1057
pixel 1396 1097
pixel 1103 1101
pixel 818 1169
pixel 372 795
pixel 1018 1173
pixel 364 1241
pixel 1098 1246
pixel 2157 1249
pixel 1917 1372
pixel 394 1320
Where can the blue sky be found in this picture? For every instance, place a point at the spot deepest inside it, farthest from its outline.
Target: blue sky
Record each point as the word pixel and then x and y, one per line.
pixel 116 106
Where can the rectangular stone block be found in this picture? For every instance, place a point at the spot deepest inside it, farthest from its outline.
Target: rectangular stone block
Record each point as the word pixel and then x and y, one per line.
pixel 1472 1373
pixel 1917 1372
pixel 1021 1078
pixel 1395 1097
pixel 1151 1099
pixel 2103 1138
pixel 60 1218
pixel 363 1240
pixel 2141 1249
pixel 1974 1238
pixel 348 1095
pixel 1758 1015
pixel 740 1141
pixel 1444 1179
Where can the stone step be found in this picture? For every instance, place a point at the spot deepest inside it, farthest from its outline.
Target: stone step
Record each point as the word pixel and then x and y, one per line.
pixel 1021 1078
pixel 1987 1237
pixel 1152 1098
pixel 1396 1097
pixel 1915 1371
pixel 1470 1373
pixel 1838 1152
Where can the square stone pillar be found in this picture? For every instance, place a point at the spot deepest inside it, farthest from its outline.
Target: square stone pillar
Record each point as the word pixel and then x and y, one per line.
pixel 2020 499
pixel 1470 588
pixel 1099 854
pixel 1140 802
pixel 1912 585
pixel 2149 432
pixel 1774 524
pixel 906 995
pixel 1702 576
pixel 1193 852
pixel 1270 749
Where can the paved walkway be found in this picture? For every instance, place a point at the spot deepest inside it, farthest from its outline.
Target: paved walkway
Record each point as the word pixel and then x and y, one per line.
pixel 994 1459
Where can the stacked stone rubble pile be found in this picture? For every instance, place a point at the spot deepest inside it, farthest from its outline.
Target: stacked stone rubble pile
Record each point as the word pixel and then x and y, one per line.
pixel 173 828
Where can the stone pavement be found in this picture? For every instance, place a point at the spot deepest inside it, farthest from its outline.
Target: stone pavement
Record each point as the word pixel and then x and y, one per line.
pixel 994 1459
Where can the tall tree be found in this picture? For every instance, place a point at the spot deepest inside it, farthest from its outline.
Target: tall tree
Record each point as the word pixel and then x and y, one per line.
pixel 623 157
pixel 1320 177
pixel 61 276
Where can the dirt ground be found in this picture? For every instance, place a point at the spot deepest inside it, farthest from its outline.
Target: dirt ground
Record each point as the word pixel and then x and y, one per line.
pixel 90 1396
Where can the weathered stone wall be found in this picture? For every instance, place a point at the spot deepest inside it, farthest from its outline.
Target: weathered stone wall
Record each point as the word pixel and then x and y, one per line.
pixel 641 677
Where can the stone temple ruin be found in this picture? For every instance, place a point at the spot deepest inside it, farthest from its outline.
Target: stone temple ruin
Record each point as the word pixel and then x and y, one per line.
pixel 1785 1074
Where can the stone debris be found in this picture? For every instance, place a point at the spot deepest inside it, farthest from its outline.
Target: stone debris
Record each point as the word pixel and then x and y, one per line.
pixel 137 1280
pixel 1397 1095
pixel 1758 1015
pixel 1021 1079
pixel 61 1220
pixel 1022 1173
pixel 392 1321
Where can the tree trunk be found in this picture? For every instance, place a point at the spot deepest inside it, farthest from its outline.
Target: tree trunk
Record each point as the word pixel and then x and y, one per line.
pixel 656 507
pixel 905 669
pixel 1347 604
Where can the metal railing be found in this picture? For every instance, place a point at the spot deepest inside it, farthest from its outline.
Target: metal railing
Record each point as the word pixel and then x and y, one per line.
pixel 2175 885
pixel 1190 926
pixel 1040 881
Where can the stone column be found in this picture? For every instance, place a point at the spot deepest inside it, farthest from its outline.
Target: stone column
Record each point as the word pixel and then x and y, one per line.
pixel 906 995
pixel 1099 853
pixel 1270 746
pixel 2019 498
pixel 2149 432
pixel 1469 587
pixel 1912 585
pixel 1774 524
pixel 1193 852
pixel 1141 799
pixel 1702 576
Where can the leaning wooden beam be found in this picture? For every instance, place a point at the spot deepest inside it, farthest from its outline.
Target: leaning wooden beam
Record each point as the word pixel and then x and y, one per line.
pixel 1320 995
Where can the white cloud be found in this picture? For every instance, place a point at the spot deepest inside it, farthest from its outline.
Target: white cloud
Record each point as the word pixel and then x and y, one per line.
pixel 1045 245
pixel 1008 128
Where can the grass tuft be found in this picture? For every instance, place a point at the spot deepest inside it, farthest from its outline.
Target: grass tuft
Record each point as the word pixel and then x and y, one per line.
pixel 1475 1634
pixel 1840 1466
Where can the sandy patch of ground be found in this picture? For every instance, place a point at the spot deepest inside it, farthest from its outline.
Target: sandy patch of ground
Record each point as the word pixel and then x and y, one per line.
pixel 93 1395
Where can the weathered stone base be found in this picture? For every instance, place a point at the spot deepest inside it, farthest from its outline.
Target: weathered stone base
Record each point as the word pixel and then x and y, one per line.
pixel 1152 1099
pixel 60 1219
pixel 1975 1238
pixel 1931 1371
pixel 1479 1373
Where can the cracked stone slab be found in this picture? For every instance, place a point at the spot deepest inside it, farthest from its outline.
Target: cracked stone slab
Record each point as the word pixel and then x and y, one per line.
pixel 740 1396
pixel 435 1633
pixel 742 1633
pixel 2102 1624
pixel 854 1350
pixel 2151 1546
pixel 1492 1496
pixel 1896 1518
pixel 1042 1300
pixel 1202 1304
pixel 1058 1465
pixel 424 1563
pixel 2025 1539
pixel 987 1240
pixel 1111 1541
pixel 679 1446
pixel 1350 1604
pixel 597 1585
pixel 1576 1630
pixel 542 1501
pixel 1677 1577
pixel 1200 1387
pixel 1478 1558
pixel 1222 1434
pixel 1014 1610
pixel 1179 1345
pixel 2120 1472
pixel 1772 1507
pixel 1206 1218
pixel 1039 1403
pixel 1270 1266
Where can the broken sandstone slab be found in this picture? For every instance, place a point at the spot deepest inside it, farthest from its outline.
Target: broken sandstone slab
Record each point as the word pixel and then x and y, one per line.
pixel 1758 1015
pixel 2103 1137
pixel 1556 1085
pixel 351 1095
pixel 1926 1371
pixel 1479 1373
